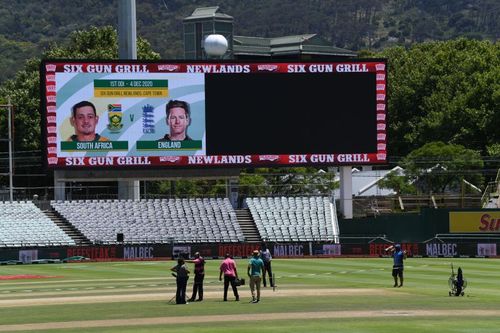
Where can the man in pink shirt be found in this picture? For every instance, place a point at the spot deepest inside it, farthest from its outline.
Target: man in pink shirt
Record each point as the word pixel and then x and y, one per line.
pixel 228 268
pixel 199 276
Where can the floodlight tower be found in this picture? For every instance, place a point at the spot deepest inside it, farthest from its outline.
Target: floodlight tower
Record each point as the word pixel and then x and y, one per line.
pixel 10 139
pixel 127 30
pixel 127 49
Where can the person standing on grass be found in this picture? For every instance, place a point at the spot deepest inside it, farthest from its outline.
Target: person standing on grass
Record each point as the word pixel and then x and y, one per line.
pixel 397 269
pixel 266 257
pixel 228 269
pixel 254 271
pixel 182 276
pixel 199 276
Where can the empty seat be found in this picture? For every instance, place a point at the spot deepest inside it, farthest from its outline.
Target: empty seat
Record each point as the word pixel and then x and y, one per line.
pixel 293 218
pixel 24 224
pixel 181 219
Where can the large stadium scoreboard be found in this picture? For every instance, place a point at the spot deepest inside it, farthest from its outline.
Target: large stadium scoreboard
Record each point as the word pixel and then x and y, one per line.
pixel 241 114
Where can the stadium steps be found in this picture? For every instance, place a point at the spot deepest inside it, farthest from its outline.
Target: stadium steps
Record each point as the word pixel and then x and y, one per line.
pixel 491 195
pixel 67 227
pixel 496 195
pixel 247 225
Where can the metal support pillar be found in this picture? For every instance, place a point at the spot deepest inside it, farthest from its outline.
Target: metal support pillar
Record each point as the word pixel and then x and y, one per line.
pixel 127 34
pixel 59 187
pixel 129 189
pixel 232 186
pixel 127 49
pixel 10 141
pixel 346 191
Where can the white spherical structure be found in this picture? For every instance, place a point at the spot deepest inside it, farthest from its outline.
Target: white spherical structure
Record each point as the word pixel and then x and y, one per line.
pixel 215 45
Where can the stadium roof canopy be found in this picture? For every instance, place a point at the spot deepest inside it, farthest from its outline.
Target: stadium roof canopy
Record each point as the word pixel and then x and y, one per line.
pixel 287 45
pixel 207 13
pixel 208 20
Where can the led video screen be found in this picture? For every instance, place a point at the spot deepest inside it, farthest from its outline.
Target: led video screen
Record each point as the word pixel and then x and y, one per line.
pixel 168 114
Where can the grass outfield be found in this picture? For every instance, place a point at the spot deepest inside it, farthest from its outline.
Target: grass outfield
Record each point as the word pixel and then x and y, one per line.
pixel 313 295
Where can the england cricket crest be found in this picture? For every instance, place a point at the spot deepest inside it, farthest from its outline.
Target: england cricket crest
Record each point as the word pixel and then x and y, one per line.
pixel 115 117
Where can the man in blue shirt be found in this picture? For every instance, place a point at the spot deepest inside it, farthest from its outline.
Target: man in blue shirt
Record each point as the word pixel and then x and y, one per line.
pixel 397 269
pixel 254 271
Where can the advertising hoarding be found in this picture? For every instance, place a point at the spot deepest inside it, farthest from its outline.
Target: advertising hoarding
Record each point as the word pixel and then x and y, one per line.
pixel 240 114
pixel 475 222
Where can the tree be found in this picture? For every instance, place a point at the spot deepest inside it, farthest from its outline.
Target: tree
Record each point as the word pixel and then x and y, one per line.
pixel 253 184
pixel 494 151
pixel 436 167
pixel 444 91
pixel 493 161
pixel 10 52
pixel 297 181
pixel 24 89
pixel 398 182
pixel 187 188
pixel 98 43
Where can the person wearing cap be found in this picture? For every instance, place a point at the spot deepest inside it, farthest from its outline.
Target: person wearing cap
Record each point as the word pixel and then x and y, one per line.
pixel 199 276
pixel 228 269
pixel 254 271
pixel 397 269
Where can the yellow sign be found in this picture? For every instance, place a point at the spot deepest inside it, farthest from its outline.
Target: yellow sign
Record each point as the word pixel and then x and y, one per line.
pixel 475 222
pixel 129 92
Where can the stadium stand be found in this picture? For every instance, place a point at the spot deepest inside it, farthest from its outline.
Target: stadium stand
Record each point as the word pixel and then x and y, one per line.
pixel 153 221
pixel 24 224
pixel 491 196
pixel 285 219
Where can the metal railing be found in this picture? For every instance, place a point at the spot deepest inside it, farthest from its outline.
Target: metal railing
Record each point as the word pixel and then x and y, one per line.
pixel 442 238
pixel 382 205
pixel 492 188
pixel 365 239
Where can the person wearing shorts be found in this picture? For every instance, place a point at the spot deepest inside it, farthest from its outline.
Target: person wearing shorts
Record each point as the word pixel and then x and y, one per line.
pixel 398 266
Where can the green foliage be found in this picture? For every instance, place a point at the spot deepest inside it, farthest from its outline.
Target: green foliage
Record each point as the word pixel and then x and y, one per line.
pixel 97 43
pixel 438 91
pixel 354 24
pixel 437 166
pixel 187 188
pixel 397 182
pixel 444 91
pixel 287 181
pixel 300 181
pixel 24 89
pixel 24 94
pixel 251 185
pixel 258 182
pixel 10 52
pixel 494 150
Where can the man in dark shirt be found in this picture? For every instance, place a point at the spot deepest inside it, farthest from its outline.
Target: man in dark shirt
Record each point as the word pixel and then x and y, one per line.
pixel 182 276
